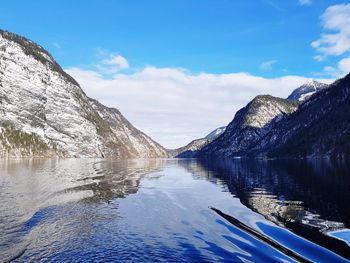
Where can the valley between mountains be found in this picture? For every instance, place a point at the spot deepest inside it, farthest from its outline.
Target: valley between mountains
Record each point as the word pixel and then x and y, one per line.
pixel 45 113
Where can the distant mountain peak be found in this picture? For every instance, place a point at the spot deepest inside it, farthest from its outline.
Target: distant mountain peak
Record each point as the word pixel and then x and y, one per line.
pixel 305 91
pixel 312 82
pixel 191 149
pixel 216 133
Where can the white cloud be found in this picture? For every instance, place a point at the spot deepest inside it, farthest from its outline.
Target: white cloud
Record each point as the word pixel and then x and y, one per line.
pixel 344 65
pixel 174 106
pixel 111 65
pixel 342 68
pixel 267 65
pixel 117 61
pixel 336 18
pixel 305 2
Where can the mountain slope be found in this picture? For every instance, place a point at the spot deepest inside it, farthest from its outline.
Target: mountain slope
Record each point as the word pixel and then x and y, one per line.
pixel 190 150
pixel 249 125
pixel 124 136
pixel 319 128
pixel 44 112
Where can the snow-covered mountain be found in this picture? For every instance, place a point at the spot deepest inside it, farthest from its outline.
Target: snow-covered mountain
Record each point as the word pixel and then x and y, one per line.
pixel 249 125
pixel 216 133
pixel 306 90
pixel 190 150
pixel 44 112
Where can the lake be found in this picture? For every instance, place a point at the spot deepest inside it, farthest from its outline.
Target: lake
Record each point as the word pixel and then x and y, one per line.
pixel 174 210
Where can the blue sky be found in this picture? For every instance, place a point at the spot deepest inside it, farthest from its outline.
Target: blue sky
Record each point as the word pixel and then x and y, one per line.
pixel 217 36
pixel 121 44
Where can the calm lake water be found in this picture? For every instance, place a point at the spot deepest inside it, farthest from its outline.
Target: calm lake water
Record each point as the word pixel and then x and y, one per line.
pixel 174 211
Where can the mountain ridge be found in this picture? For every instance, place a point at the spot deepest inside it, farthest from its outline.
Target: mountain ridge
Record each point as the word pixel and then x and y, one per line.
pixel 190 150
pixel 248 125
pixel 321 127
pixel 318 127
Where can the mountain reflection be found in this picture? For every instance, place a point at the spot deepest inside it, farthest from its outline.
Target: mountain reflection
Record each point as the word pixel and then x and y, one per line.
pixel 158 210
pixel 33 189
pixel 115 179
pixel 308 197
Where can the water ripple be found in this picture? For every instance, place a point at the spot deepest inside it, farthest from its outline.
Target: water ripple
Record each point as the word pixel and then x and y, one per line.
pixel 158 211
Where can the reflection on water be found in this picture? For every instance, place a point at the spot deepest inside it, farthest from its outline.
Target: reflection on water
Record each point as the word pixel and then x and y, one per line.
pixel 309 197
pixel 158 210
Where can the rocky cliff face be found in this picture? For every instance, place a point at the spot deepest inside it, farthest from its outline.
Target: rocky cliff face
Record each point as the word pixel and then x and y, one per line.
pixel 249 126
pixel 124 139
pixel 44 112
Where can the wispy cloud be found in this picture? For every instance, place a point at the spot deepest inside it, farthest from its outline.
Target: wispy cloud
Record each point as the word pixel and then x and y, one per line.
pixel 56 45
pixel 336 18
pixel 116 61
pixel 273 4
pixel 305 2
pixel 110 63
pixel 267 65
pixel 175 106
pixel 113 64
pixel 342 68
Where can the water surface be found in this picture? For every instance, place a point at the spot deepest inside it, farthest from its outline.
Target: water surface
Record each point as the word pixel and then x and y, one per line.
pixel 160 210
